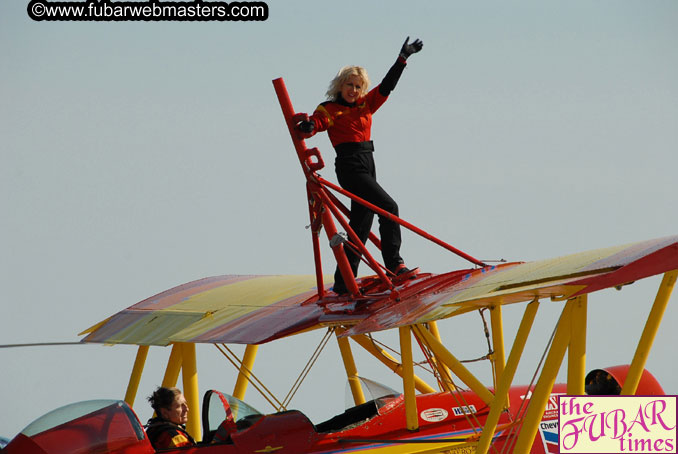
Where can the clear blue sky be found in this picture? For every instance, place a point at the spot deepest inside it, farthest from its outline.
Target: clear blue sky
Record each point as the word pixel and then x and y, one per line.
pixel 137 156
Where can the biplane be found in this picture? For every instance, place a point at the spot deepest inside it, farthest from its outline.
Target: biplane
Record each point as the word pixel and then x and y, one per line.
pixel 458 414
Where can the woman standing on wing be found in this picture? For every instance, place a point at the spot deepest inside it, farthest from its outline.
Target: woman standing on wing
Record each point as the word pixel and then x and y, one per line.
pixel 347 118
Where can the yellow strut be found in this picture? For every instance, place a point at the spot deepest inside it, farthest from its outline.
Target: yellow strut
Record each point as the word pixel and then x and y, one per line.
pixel 442 354
pixel 351 370
pixel 408 378
pixel 135 378
pixel 189 377
pixel 547 379
pixel 443 371
pixel 245 371
pixel 173 367
pixel 506 378
pixel 499 355
pixel 390 362
pixel 576 352
pixel 649 333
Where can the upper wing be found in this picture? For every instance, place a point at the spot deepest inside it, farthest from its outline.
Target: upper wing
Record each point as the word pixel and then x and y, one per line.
pixel 257 309
pixel 558 278
pixel 236 309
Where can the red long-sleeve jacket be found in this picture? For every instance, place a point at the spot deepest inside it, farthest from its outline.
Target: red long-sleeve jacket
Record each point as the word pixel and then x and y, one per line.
pixel 346 122
pixel 164 434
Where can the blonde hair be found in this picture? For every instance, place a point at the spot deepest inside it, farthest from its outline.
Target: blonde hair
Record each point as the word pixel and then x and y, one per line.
pixel 342 76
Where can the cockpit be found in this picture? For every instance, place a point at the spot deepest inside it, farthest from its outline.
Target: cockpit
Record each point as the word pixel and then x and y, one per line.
pixel 112 427
pixel 92 427
pixel 224 415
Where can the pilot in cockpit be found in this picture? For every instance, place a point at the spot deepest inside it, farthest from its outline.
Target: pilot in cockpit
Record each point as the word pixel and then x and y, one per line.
pixel 167 429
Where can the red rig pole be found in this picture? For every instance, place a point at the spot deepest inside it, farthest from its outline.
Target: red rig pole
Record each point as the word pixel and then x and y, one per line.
pixel 311 161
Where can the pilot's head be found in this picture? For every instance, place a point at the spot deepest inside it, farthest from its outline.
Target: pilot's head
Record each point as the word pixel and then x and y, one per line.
pixel 170 404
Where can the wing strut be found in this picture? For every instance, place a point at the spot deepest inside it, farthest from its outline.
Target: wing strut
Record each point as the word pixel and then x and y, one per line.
pixel 135 378
pixel 649 333
pixel 245 371
pixel 501 395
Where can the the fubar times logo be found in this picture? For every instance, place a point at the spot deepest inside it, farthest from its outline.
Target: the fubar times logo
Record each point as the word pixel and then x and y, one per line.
pixel 617 424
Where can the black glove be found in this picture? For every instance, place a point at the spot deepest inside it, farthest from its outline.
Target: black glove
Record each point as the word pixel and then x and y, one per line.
pixel 306 127
pixel 301 123
pixel 409 49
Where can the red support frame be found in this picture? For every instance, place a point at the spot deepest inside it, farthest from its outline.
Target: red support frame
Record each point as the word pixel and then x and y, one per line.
pixel 324 207
pixel 400 221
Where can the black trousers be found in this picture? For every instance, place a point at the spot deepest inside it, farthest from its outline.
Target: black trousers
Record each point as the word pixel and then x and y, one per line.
pixel 356 173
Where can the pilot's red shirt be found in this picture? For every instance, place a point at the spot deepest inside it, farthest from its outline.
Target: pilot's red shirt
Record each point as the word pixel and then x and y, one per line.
pixel 348 122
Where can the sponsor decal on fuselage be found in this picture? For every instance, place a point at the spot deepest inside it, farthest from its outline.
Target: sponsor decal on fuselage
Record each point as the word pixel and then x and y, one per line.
pixel 434 414
pixel 464 410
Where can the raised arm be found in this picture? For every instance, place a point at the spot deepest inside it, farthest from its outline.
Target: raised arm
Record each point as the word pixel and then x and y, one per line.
pixel 393 75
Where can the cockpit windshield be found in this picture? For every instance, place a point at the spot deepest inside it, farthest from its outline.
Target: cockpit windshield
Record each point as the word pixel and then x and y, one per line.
pixel 217 404
pixel 86 410
pixel 373 390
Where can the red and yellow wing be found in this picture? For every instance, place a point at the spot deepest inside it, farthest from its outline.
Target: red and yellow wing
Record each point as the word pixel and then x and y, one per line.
pixel 231 309
pixel 558 278
pixel 258 309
